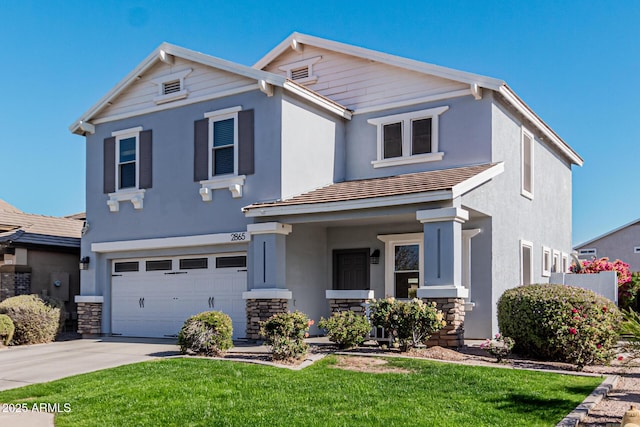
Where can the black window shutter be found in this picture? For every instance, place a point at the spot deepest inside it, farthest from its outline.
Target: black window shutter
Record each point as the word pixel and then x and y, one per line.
pixel 109 165
pixel 146 173
pixel 245 142
pixel 201 150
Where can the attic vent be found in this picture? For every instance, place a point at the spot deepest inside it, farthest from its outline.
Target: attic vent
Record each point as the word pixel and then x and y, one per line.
pixel 171 87
pixel 300 73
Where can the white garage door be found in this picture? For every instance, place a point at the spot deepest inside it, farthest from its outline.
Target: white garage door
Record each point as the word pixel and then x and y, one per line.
pixel 152 297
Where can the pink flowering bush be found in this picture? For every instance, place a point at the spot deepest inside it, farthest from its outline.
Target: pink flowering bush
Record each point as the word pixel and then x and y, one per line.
pixel 561 323
pixel 500 347
pixel 285 334
pixel 628 284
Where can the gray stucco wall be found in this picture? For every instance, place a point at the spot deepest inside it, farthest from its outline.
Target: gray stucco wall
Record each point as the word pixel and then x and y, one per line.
pixel 618 245
pixel 544 221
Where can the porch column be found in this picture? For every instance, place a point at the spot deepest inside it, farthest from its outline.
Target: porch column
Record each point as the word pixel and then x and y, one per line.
pixel 268 293
pixel 443 270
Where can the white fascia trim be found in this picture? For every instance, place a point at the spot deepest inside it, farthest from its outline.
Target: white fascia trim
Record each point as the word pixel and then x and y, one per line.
pixel 135 130
pixel 377 202
pixel 272 293
pixel 318 100
pixel 269 228
pixel 528 113
pixel 171 242
pixel 96 299
pixel 180 103
pixel 349 294
pixel 162 99
pixel 477 180
pixel 410 64
pixel 414 101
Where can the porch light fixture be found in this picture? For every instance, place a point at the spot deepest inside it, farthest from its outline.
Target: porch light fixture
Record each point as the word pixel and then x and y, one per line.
pixel 374 258
pixel 84 263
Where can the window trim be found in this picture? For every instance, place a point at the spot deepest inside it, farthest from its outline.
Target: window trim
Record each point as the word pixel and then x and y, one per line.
pixel 546 261
pixel 556 256
pixel 126 134
pixel 162 98
pixel 526 133
pixel 133 194
pixel 232 181
pixel 529 245
pixel 406 119
pixel 564 263
pixel 390 242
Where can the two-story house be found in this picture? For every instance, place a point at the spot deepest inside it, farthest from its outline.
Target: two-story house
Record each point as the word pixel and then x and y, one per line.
pixel 321 177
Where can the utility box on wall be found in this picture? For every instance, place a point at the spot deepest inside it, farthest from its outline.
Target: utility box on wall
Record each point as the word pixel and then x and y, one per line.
pixel 59 286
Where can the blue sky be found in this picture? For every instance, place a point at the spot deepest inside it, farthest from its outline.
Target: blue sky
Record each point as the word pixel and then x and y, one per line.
pixel 576 63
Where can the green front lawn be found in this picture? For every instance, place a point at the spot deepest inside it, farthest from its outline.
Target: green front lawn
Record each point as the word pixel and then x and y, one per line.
pixel 201 392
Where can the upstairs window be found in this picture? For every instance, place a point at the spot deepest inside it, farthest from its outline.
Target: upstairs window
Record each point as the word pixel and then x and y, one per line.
pixel 527 164
pixel 127 166
pixel 127 176
pixel 408 138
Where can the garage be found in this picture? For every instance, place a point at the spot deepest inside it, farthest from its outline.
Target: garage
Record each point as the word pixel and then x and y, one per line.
pixel 152 297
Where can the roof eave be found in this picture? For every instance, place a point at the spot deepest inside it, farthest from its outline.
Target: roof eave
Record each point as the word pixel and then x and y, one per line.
pixel 530 115
pixel 410 64
pixel 615 230
pixel 82 125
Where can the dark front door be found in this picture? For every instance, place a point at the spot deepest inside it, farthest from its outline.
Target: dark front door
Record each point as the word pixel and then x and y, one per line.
pixel 351 269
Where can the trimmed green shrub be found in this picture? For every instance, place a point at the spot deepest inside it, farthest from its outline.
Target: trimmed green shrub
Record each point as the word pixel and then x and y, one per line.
pixel 630 329
pixel 37 319
pixel 347 328
pixel 207 333
pixel 409 323
pixel 6 329
pixel 561 323
pixel 285 334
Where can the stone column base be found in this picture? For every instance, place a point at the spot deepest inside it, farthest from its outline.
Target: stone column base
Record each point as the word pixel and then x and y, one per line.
pixel 452 335
pixel 89 316
pixel 353 300
pixel 259 310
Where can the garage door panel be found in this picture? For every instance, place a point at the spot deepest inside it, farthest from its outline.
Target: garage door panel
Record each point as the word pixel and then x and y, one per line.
pixel 156 304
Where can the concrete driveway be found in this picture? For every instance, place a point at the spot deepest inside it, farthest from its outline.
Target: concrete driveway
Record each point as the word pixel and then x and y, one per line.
pixel 24 365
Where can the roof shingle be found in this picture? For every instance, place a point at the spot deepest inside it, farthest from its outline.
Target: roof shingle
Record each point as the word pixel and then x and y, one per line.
pixel 420 182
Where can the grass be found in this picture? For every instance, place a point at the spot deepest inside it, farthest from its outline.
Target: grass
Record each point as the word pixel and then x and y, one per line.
pixel 201 392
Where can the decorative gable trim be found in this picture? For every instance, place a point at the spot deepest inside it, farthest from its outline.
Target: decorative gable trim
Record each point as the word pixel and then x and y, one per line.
pixel 301 71
pixel 171 87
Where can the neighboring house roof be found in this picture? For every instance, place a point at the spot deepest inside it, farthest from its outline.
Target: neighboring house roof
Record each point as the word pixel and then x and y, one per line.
pixel 264 81
pixel 24 228
pixel 375 192
pixel 475 81
pixel 615 230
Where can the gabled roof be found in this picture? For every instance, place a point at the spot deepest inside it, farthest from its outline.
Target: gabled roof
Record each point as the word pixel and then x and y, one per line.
pixel 615 230
pixel 474 80
pixel 374 192
pixel 263 80
pixel 28 228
